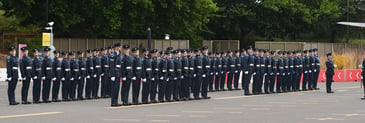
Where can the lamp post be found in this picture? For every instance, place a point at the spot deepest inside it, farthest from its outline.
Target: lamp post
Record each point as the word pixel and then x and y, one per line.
pixel 347 19
pixel 149 37
pixel 50 28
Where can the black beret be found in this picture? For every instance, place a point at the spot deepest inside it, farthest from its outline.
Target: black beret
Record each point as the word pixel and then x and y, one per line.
pixel 249 47
pixel 109 47
pixel 196 50
pixel 183 50
pixel 135 49
pixel 102 49
pixel 71 53
pixel 170 48
pixel 167 52
pixel 175 51
pixel 64 53
pixel 188 50
pixel 79 52
pixel 305 51
pixel 279 53
pixel 11 48
pixel 237 51
pixel 35 50
pixel 272 52
pixel 254 49
pixel 145 49
pixel 126 46
pixel 210 53
pixel 161 52
pixel 47 49
pixel 310 50
pixel 222 52
pixel 216 53
pixel 204 48
pixel 265 51
pixel 88 51
pixel 24 49
pixel 117 45
pixel 154 51
pixel 315 49
pixel 96 49
pixel 329 54
pixel 243 50
pixel 56 52
pixel 229 51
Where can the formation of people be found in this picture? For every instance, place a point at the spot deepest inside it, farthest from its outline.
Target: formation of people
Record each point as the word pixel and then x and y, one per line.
pixel 160 76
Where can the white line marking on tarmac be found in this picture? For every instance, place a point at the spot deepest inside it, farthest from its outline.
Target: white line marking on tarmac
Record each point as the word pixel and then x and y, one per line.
pixel 198 116
pixel 159 121
pixel 161 115
pixel 256 105
pixel 324 119
pixel 200 112
pixel 236 97
pixel 28 115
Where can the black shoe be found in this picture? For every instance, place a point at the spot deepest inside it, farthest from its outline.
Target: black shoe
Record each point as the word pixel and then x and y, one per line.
pixel 26 102
pixel 37 102
pixel 107 96
pixel 197 98
pixel 115 105
pixel 267 93
pixel 14 103
pixel 153 101
pixel 223 90
pixel 230 90
pixel 316 88
pixel 330 92
pixel 80 98
pixel 96 97
pixel 206 97
pixel 248 94
pixel 237 88
pixel 47 101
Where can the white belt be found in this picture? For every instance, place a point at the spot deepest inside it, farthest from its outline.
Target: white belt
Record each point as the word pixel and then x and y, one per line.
pixel 318 64
pixel 291 66
pixel 257 65
pixel 231 65
pixel 286 66
pixel 300 65
pixel 219 65
pixel 28 68
pixel 106 65
pixel 312 63
pixel 186 68
pixel 238 64
pixel 281 68
pixel 171 70
pixel 58 68
pixel 48 68
pixel 38 69
pixel 148 69
pixel 178 69
pixel 207 66
pixel 15 68
pixel 92 68
pixel 111 59
pixel 128 68
pixel 118 66
pixel 224 65
pixel 156 69
pixel 199 66
pixel 97 66
pixel 67 69
pixel 251 65
pixel 164 71
pixel 76 70
pixel 191 68
pixel 83 68
pixel 296 65
pixel 138 68
pixel 262 65
pixel 268 65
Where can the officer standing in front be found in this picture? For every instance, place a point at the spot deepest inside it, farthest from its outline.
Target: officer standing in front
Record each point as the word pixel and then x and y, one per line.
pixel 250 60
pixel 26 71
pixel 329 73
pixel 47 75
pixel 12 74
pixel 37 76
pixel 116 71
pixel 57 75
pixel 256 73
pixel 146 75
pixel 128 74
pixel 137 72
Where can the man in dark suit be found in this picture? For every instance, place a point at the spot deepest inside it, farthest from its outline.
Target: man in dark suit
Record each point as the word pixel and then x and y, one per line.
pixel 329 72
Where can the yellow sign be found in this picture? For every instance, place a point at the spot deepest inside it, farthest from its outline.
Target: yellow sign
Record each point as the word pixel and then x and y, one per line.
pixel 46 39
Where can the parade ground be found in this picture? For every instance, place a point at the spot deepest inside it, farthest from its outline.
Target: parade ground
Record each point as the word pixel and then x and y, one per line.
pixel 343 106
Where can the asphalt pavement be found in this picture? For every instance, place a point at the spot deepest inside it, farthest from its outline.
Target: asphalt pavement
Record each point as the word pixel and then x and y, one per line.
pixel 343 106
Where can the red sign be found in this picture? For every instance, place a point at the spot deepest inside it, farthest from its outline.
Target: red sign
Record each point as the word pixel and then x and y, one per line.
pixel 353 75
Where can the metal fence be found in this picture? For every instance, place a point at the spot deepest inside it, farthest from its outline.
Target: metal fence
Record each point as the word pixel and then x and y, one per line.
pixel 83 44
pixel 323 48
pixel 222 45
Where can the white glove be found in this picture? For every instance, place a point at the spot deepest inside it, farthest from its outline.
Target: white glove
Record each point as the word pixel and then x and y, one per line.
pixel 315 70
pixel 203 75
pixel 310 71
pixel 175 78
pixel 228 72
pixel 194 75
pixel 167 79
pixel 305 71
pixel 288 73
pixel 361 77
pixel 153 79
pixel 144 80
pixel 63 79
pixel 25 78
pixel 102 74
pixel 133 78
pixel 254 73
pixel 265 74
pixel 79 77
pixel 277 74
pixel 72 79
pixel 246 72
pixel 161 78
pixel 88 76
pixel 222 72
pixel 94 75
pixel 113 78
pixel 124 78
pixel 54 79
pixel 35 77
pixel 335 66
pixel 43 78
pixel 182 77
pixel 216 73
pixel 9 79
pixel 271 73
pixel 236 71
pixel 211 74
pixel 284 74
